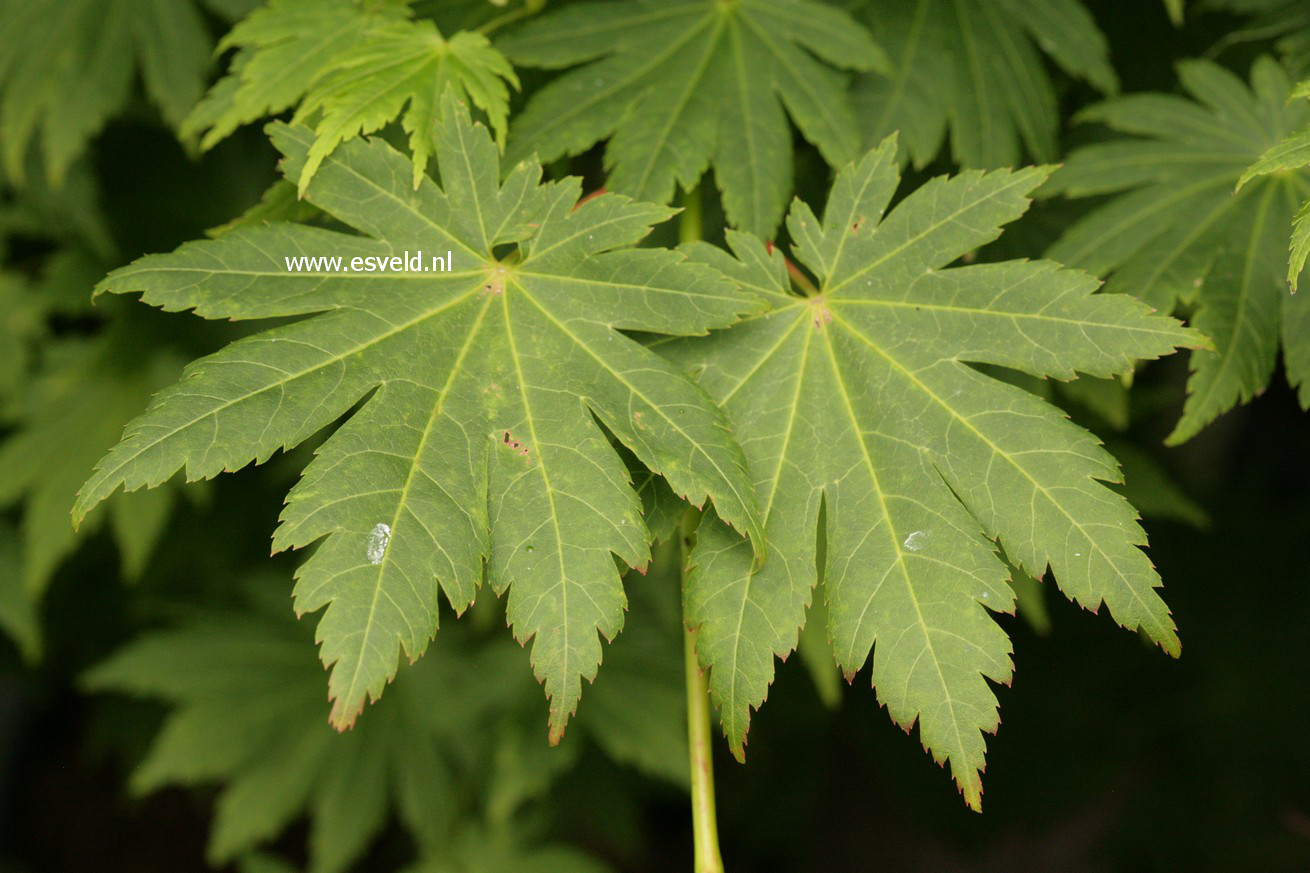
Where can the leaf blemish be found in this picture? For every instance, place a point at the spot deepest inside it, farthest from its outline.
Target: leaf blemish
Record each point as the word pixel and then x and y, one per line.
pixel 914 542
pixel 820 314
pixel 377 542
pixel 507 439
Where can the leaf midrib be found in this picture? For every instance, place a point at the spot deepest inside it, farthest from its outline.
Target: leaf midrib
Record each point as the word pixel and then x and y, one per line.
pixel 402 501
pixel 969 425
pixel 113 471
pixel 874 480
pixel 655 407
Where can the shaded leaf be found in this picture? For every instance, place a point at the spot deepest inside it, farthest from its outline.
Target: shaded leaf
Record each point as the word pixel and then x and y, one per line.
pixel 1177 234
pixel 682 86
pixel 67 68
pixel 976 69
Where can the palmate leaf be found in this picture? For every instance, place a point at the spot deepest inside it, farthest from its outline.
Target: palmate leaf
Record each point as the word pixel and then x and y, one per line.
pixel 1285 21
pixel 684 85
pixel 1292 153
pixel 352 68
pixel 283 48
pixel 70 412
pixel 1177 232
pixel 479 442
pixel 975 68
pixel 860 398
pixel 405 65
pixel 66 68
pixel 246 712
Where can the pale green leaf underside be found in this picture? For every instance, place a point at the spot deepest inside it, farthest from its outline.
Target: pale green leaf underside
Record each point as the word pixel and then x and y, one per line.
pixel 680 86
pixel 862 399
pixel 1177 231
pixel 478 444
pixel 66 68
pixel 975 68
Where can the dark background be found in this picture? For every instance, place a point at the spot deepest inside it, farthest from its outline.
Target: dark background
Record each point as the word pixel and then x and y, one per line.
pixel 1112 757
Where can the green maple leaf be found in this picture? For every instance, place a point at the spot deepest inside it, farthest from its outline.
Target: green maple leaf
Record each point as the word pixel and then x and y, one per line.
pixel 18 618
pixel 353 69
pixel 680 86
pixel 479 443
pixel 246 711
pixel 860 398
pixel 1286 21
pixel 22 326
pixel 1176 232
pixel 975 68
pixel 72 409
pixel 66 68
pixel 404 63
pixel 283 48
pixel 1292 153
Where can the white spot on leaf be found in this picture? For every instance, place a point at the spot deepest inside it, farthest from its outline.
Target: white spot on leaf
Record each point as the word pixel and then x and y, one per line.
pixel 377 542
pixel 914 542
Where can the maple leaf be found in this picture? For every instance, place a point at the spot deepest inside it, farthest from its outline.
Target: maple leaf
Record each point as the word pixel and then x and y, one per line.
pixel 353 68
pixel 404 63
pixel 246 711
pixel 975 68
pixel 67 68
pixel 1285 21
pixel 1177 234
pixel 69 412
pixel 477 444
pixel 18 618
pixel 1292 153
pixel 860 398
pixel 680 86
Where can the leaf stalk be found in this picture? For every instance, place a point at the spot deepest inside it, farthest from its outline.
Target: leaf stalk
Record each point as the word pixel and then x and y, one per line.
pixel 705 828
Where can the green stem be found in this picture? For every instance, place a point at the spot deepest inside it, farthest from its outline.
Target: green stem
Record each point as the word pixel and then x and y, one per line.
pixel 705 828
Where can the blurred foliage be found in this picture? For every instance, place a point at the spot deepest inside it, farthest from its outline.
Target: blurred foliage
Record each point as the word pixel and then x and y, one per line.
pixel 136 657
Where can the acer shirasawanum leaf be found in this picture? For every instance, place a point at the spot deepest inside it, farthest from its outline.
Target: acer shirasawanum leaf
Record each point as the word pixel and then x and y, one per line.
pixel 246 713
pixel 66 68
pixel 478 444
pixel 1176 232
pixel 282 49
pixel 679 86
pixel 1285 21
pixel 353 68
pixel 70 411
pixel 975 69
pixel 1292 153
pixel 860 398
